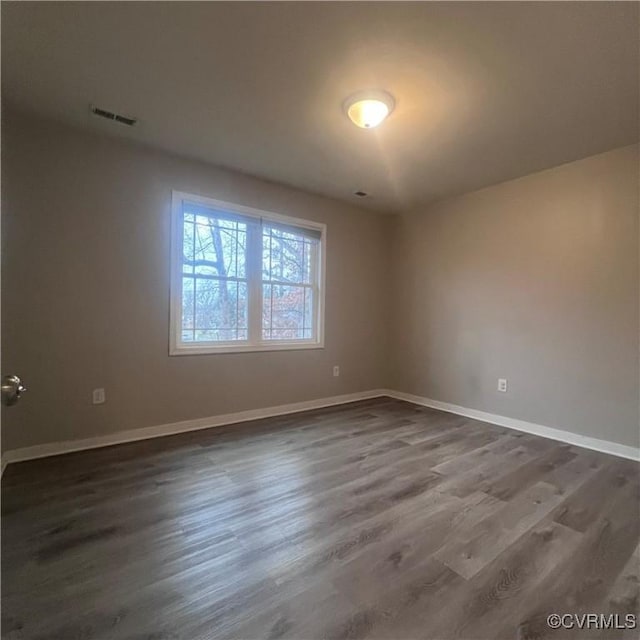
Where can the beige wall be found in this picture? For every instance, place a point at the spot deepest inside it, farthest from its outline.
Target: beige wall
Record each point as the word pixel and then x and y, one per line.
pixel 534 280
pixel 85 290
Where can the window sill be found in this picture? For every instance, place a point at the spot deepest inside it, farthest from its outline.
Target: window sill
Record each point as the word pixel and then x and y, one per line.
pixel 198 350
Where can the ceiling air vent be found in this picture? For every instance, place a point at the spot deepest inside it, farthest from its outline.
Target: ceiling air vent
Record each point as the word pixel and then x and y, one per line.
pixel 110 115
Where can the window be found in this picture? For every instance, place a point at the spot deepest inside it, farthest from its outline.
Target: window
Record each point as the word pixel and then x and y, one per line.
pixel 243 279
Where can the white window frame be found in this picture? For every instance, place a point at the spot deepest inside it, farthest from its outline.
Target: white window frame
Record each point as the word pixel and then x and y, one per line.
pixel 179 348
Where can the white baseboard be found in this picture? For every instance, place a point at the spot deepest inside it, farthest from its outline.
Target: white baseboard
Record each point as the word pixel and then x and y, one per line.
pixel 68 446
pixel 604 446
pixel 56 448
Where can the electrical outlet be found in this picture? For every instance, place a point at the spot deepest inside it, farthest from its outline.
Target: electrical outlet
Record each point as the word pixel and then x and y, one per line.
pixel 336 371
pixel 99 396
pixel 502 385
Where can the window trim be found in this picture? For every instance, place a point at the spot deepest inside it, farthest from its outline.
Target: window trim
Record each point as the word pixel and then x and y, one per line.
pixel 179 348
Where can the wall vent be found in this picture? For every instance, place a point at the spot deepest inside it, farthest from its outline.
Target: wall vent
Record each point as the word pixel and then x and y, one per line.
pixel 110 115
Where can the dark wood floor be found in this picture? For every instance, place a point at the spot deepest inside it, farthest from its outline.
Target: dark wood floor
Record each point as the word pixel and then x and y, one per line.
pixel 377 519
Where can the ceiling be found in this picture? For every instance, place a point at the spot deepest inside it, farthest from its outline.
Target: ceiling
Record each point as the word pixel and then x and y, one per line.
pixel 484 91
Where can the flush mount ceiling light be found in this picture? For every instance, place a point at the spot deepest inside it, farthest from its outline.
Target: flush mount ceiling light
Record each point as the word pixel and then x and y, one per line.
pixel 368 109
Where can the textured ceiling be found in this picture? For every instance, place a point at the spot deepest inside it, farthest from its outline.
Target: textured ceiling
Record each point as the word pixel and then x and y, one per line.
pixel 484 92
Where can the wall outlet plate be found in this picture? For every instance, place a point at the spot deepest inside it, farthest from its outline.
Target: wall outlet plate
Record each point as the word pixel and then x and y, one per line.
pixel 336 371
pixel 98 396
pixel 502 385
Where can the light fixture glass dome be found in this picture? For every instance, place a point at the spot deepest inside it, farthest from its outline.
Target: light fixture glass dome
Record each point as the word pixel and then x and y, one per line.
pixel 368 109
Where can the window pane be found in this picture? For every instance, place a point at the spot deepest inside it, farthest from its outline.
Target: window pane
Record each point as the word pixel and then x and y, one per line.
pixel 287 309
pixel 286 257
pixel 214 246
pixel 242 311
pixel 220 310
pixel 220 279
pixel 187 245
pixel 310 247
pixel 187 309
pixel 286 312
pixel 308 313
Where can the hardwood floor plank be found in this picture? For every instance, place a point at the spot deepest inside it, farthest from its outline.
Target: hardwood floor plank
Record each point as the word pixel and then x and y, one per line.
pixel 507 485
pixel 586 505
pixel 581 583
pixel 515 575
pixel 376 519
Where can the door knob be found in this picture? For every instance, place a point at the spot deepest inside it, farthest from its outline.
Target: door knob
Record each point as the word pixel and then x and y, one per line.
pixel 12 388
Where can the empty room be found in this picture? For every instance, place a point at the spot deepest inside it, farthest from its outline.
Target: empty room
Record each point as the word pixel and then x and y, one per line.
pixel 320 320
